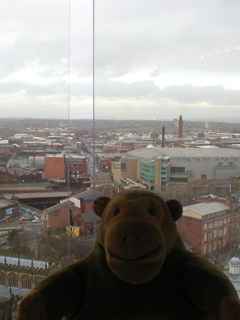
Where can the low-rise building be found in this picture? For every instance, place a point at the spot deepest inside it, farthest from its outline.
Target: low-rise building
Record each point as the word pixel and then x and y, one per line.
pixel 8 209
pixel 73 211
pixel 60 216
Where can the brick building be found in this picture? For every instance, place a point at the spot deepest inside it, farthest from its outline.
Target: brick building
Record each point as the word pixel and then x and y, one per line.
pixel 207 228
pixel 233 203
pixel 54 167
pixel 60 216
pixel 108 189
pixel 77 210
pixel 105 163
pixel 18 174
pixel 76 165
pixel 84 200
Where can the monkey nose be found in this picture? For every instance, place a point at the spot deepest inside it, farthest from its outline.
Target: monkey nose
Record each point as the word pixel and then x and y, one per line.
pixel 131 239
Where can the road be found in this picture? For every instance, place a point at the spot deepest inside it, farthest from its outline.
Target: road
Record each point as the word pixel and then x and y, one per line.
pixel 35 227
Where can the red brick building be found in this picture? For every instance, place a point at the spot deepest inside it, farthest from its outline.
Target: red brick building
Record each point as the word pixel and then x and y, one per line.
pixel 233 203
pixel 109 190
pixel 60 216
pixel 84 200
pixel 18 174
pixel 54 167
pixel 105 163
pixel 75 211
pixel 207 228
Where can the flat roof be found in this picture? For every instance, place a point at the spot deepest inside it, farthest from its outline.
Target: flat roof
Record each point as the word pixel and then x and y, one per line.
pixel 5 203
pixel 206 208
pixel 153 153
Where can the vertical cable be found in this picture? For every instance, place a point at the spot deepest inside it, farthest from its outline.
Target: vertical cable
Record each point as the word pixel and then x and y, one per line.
pixel 94 125
pixel 93 76
pixel 68 122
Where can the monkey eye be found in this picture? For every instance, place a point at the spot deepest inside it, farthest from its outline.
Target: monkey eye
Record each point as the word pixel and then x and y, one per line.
pixel 152 211
pixel 116 211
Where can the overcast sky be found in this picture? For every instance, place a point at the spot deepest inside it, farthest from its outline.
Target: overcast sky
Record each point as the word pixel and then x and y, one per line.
pixel 154 59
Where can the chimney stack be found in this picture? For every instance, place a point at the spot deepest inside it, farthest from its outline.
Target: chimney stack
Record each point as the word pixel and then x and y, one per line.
pixel 180 127
pixel 163 136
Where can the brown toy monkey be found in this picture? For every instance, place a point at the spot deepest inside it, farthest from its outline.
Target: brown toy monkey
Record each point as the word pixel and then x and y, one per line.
pixel 139 270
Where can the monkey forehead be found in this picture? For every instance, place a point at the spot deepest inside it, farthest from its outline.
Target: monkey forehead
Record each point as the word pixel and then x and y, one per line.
pixel 137 203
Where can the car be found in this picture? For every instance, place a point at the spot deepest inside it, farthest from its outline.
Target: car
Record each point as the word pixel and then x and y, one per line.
pixel 22 222
pixel 36 220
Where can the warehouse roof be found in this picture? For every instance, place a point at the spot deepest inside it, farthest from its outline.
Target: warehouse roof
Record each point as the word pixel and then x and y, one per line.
pixel 206 208
pixel 153 153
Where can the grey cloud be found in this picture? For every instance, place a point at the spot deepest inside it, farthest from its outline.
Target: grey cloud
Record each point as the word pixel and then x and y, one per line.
pixel 55 88
pixel 216 95
pixel 122 90
pixel 155 35
pixel 115 90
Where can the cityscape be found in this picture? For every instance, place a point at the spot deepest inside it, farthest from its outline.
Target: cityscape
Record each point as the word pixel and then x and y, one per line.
pixel 51 171
pixel 98 97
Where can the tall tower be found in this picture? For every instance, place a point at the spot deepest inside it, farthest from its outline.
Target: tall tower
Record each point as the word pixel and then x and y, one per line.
pixel 180 127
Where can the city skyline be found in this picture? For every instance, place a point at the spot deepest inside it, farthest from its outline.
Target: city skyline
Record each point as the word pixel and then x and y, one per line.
pixel 153 60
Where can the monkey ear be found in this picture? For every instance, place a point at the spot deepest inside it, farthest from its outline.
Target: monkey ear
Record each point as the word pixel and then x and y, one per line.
pixel 175 208
pixel 99 205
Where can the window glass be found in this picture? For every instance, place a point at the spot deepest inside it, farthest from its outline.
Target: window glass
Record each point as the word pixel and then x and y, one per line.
pixel 145 95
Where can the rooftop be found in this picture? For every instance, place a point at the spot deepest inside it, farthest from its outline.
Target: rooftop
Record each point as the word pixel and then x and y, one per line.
pixel 89 195
pixel 5 203
pixel 152 153
pixel 60 206
pixel 89 217
pixel 206 208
